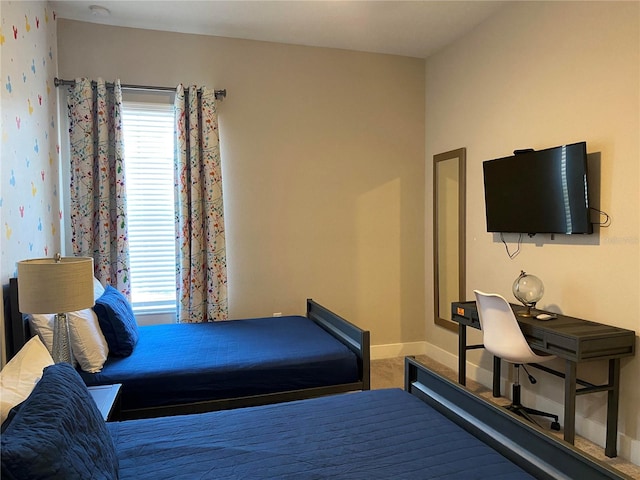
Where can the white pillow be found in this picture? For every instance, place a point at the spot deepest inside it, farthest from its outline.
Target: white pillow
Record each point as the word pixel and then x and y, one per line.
pixel 88 344
pixel 20 375
pixel 98 289
pixel 41 324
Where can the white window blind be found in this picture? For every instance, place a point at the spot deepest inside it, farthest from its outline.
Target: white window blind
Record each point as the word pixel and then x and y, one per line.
pixel 148 136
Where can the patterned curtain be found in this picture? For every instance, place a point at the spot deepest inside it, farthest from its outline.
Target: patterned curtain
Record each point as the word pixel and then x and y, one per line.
pixel 200 243
pixel 98 199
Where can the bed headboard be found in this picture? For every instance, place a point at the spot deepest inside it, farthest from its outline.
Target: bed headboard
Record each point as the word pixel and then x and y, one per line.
pixel 17 330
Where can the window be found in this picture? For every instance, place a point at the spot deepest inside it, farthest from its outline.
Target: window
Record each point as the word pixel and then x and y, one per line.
pixel 149 145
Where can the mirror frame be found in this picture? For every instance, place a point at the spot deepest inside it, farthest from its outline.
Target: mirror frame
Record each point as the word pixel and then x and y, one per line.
pixel 461 155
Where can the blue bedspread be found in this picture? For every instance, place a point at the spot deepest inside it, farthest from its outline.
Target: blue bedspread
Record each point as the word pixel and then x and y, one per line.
pixel 184 363
pixel 379 434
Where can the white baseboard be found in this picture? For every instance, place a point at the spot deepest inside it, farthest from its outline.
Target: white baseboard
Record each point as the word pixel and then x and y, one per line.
pixel 393 350
pixel 628 448
pixel 448 359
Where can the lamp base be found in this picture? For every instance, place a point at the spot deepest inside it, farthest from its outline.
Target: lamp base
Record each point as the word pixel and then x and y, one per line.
pixel 61 340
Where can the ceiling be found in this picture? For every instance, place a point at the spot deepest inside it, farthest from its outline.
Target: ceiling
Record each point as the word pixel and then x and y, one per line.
pixel 410 28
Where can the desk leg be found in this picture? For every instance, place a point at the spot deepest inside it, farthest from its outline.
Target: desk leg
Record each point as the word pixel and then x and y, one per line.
pixel 613 396
pixel 496 376
pixel 570 401
pixel 462 354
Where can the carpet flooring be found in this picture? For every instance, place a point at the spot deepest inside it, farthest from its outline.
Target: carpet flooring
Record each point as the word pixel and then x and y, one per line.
pixel 389 373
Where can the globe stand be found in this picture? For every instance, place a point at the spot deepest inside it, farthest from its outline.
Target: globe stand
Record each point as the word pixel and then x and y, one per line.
pixel 527 313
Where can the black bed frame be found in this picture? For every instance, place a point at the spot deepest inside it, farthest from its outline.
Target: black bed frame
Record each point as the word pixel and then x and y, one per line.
pixel 535 451
pixel 17 333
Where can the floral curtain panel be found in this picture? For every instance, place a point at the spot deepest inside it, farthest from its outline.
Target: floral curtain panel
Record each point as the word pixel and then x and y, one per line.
pixel 200 241
pixel 98 199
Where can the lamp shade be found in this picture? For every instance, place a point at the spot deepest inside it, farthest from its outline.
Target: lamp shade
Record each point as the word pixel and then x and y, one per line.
pixel 55 285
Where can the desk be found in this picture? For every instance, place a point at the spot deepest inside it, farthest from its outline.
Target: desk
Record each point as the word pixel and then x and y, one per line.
pixel 571 339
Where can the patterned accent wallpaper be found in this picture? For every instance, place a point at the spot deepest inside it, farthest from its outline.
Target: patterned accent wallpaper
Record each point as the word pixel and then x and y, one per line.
pixel 29 183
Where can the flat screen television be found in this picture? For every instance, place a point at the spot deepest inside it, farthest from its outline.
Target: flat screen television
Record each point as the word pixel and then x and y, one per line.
pixel 543 191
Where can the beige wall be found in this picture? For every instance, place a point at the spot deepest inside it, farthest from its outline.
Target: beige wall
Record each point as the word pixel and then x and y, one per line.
pixel 323 166
pixel 538 75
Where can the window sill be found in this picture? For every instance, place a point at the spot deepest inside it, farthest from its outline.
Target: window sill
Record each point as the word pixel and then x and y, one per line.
pixel 154 318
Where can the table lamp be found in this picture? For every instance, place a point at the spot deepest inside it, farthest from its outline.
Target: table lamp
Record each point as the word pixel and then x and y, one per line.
pixel 56 285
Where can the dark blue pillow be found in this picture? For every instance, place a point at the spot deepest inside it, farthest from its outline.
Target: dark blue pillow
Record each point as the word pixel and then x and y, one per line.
pixel 58 432
pixel 117 322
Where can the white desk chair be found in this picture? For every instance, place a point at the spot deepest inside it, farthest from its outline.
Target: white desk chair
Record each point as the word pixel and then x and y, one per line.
pixel 503 338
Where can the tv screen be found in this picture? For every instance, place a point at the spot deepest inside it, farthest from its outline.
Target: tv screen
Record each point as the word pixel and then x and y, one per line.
pixel 542 191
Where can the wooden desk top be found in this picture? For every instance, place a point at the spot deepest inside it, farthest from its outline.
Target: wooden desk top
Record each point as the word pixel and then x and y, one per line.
pixel 567 337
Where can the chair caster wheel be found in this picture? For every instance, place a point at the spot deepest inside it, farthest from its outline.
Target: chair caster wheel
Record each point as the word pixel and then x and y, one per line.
pixel 555 426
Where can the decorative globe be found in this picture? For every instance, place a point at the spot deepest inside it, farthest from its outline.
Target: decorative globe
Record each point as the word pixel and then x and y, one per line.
pixel 528 289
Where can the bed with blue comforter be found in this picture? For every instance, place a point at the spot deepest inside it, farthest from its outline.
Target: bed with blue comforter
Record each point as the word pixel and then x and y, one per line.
pixel 434 429
pixel 192 368
pixel 378 434
pixel 196 362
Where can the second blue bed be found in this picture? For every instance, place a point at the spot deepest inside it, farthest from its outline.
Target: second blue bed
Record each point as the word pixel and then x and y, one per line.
pixel 186 363
pixel 379 434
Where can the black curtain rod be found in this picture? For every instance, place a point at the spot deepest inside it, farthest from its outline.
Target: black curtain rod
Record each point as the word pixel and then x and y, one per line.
pixel 220 94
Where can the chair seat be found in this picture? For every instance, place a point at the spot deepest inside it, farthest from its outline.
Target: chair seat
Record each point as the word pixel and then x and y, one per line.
pixel 528 358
